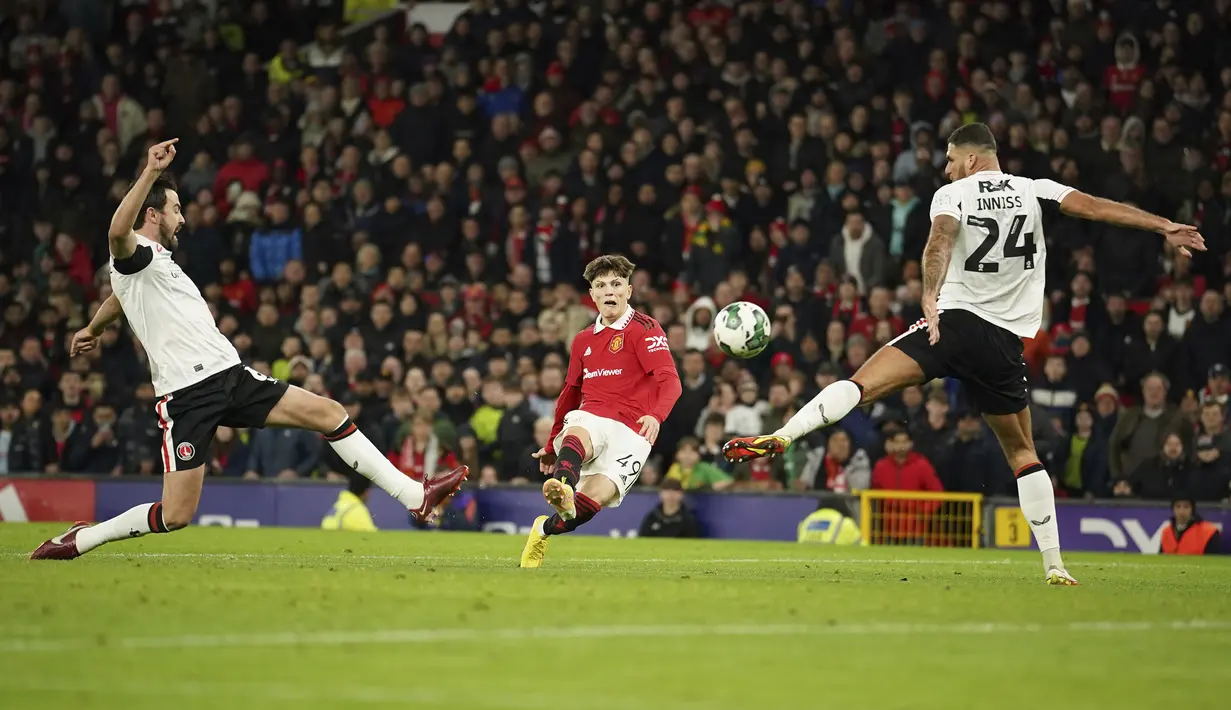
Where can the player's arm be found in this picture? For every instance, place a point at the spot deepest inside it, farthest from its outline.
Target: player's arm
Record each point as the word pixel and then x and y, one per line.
pixel 120 236
pixel 570 394
pixel 657 362
pixel 937 253
pixel 86 339
pixel 1076 203
pixel 946 211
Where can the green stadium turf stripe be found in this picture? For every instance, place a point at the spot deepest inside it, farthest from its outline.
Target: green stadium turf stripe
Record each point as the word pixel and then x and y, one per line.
pixel 464 635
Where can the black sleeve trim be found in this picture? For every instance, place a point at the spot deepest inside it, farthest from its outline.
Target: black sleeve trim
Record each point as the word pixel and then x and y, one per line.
pixel 140 259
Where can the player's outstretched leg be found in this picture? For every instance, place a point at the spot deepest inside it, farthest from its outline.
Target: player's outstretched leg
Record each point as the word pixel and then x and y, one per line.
pixel 888 371
pixel 595 492
pixel 575 449
pixel 181 492
pixel 1034 490
pixel 301 409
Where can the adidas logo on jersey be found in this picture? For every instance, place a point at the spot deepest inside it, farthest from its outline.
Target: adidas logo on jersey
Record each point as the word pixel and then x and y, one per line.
pixel 587 352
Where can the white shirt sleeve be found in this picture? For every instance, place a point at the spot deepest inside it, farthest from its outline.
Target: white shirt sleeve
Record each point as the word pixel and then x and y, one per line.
pixel 1046 189
pixel 947 200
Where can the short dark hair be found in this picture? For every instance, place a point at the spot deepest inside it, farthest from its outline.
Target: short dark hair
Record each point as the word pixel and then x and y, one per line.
pixel 974 135
pixel 609 264
pixel 157 197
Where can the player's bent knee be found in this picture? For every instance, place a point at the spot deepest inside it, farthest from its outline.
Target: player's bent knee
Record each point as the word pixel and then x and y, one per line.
pixel 600 489
pixel 586 442
pixel 330 414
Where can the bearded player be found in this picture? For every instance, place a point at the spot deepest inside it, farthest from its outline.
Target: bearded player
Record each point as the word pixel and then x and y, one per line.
pixel 621 385
pixel 983 278
pixel 199 378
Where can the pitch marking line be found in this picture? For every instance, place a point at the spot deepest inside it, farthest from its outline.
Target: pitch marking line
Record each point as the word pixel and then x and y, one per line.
pixel 836 561
pixel 461 635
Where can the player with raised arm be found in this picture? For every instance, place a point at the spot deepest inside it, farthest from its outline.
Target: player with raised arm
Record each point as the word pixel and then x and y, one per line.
pixel 199 379
pixel 983 271
pixel 621 385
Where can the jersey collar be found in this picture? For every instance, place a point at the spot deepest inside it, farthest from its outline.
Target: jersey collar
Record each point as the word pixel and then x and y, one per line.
pixel 620 324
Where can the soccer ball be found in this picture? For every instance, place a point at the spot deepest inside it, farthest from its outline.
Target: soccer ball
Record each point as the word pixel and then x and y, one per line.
pixel 742 329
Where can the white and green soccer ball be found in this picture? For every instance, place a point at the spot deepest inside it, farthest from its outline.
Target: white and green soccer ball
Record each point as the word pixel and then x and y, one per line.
pixel 742 330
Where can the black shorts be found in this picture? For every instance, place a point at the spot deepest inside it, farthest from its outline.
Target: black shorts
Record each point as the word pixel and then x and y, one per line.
pixel 986 358
pixel 238 397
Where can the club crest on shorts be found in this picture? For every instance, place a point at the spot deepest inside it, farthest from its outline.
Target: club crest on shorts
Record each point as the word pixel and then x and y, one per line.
pixel 185 451
pixel 616 343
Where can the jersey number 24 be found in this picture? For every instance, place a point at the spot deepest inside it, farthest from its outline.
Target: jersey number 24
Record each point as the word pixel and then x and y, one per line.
pixel 1012 247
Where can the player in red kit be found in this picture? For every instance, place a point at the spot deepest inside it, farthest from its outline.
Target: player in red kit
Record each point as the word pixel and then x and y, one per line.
pixel 621 385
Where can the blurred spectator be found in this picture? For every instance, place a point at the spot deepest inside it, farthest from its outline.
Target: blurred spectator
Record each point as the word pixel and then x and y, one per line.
pixel 1155 352
pixel 902 468
pixel 1084 457
pixel 1140 431
pixel 350 511
pixel 526 468
pixel 1217 385
pixel 1188 533
pixel 285 454
pixel 744 416
pixel 66 444
pixel 228 456
pixel 515 432
pixel 1159 477
pixel 971 460
pixel 837 466
pixel 713 436
pixel 671 517
pixel 691 472
pixel 859 251
pixel 421 453
pixel 1055 392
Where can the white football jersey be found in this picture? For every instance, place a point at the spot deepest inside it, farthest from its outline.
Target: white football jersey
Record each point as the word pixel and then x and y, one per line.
pixel 997 267
pixel 170 318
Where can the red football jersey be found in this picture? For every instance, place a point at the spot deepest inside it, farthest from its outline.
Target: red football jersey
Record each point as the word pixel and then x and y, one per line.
pixel 621 371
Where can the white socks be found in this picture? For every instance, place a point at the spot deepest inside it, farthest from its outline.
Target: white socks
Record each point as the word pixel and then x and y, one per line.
pixel 1038 502
pixel 359 452
pixel 134 522
pixel 833 403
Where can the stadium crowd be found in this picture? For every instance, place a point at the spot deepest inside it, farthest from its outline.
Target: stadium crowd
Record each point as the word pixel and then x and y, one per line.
pixel 403 222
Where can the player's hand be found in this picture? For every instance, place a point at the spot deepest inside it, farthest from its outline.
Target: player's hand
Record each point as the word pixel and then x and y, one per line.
pixel 1184 237
pixel 161 154
pixel 83 342
pixel 933 318
pixel 547 461
pixel 649 427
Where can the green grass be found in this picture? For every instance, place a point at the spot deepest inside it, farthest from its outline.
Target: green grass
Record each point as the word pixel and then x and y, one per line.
pixel 214 618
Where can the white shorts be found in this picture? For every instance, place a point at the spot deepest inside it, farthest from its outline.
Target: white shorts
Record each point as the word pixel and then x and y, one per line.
pixel 619 452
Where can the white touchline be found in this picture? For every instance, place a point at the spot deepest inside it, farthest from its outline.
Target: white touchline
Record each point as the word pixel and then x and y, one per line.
pixel 419 636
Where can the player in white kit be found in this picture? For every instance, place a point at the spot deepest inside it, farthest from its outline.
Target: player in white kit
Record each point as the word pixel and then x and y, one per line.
pixel 199 379
pixel 983 270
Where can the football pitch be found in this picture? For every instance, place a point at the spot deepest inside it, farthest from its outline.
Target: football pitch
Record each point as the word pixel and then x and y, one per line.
pixel 231 618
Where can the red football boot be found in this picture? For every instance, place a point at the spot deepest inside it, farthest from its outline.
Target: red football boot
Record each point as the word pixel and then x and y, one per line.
pixel 61 547
pixel 437 490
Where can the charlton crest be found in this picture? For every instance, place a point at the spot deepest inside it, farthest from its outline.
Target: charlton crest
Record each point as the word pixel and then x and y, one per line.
pixel 185 451
pixel 617 342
